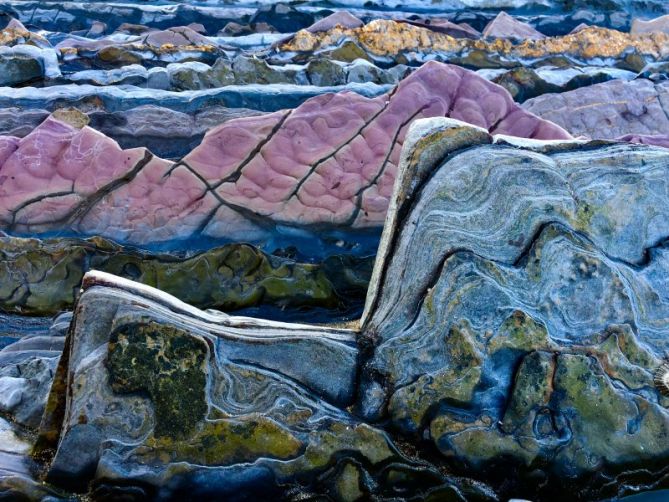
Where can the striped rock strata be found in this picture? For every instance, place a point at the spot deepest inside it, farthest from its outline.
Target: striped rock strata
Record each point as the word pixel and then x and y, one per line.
pixel 330 162
pixel 609 110
pixel 516 321
pixel 518 310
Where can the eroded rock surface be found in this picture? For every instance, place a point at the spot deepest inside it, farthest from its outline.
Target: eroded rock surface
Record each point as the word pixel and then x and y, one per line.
pixel 515 327
pixel 173 401
pixel 332 161
pixel 608 110
pixel 42 277
pixel 520 314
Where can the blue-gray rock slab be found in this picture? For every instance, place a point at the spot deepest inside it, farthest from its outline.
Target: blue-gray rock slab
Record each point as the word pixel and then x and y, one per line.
pixel 154 394
pixel 518 310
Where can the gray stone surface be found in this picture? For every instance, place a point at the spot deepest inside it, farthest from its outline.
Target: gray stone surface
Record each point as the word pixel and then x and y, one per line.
pixel 608 110
pixel 161 394
pixel 521 311
pixel 26 372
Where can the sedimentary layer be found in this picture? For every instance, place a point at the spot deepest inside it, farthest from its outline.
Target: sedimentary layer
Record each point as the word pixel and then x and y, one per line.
pixel 330 162
pixel 479 349
pixel 43 277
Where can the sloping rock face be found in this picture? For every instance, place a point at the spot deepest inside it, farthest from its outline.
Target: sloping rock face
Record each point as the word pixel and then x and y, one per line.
pixel 515 322
pixel 505 26
pixel 332 161
pixel 170 402
pixel 26 372
pixel 42 277
pixel 608 110
pixel 518 312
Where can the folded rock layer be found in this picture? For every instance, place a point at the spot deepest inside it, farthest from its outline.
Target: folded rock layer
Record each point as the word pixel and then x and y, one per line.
pixel 330 162
pixel 515 322
pixel 175 402
pixel 519 310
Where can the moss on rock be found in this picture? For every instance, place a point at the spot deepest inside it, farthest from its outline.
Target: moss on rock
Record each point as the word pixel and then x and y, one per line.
pixel 169 365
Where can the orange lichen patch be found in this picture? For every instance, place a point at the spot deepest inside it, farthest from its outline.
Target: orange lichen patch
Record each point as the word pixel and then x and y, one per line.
pixel 114 52
pixel 388 38
pixel 20 35
pixel 169 48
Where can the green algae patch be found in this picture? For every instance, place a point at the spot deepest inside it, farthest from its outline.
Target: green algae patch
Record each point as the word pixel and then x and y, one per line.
pixel 324 445
pixel 43 276
pixel 347 483
pixel 455 383
pixel 169 365
pixel 225 442
pixel 531 393
pixel 520 331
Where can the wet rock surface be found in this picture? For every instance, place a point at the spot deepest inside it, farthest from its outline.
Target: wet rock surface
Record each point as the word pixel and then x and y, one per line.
pixel 489 350
pixel 485 360
pixel 43 277
pixel 249 416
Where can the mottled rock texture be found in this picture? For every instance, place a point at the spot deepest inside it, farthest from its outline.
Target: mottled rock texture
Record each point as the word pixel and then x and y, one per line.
pixel 331 162
pixel 42 277
pixel 518 312
pixel 178 402
pixel 608 110
pixel 515 324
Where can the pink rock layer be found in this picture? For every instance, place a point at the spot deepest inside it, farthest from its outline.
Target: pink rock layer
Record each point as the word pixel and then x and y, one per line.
pixel 330 162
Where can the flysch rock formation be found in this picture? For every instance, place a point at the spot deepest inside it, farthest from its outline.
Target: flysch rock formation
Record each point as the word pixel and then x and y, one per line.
pixel 518 310
pixel 330 162
pixel 390 41
pixel 166 132
pixel 503 336
pixel 514 326
pixel 177 402
pixel 608 110
pixel 43 276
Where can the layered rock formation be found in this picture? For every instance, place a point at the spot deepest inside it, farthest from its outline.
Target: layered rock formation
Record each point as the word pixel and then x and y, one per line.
pixel 332 161
pixel 480 349
pixel 228 402
pixel 161 159
pixel 519 314
pixel 608 110
pixel 389 40
pixel 42 277
pixel 166 132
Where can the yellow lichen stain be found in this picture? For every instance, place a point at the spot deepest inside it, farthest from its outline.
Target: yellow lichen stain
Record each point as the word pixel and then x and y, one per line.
pixel 225 441
pixel 388 38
